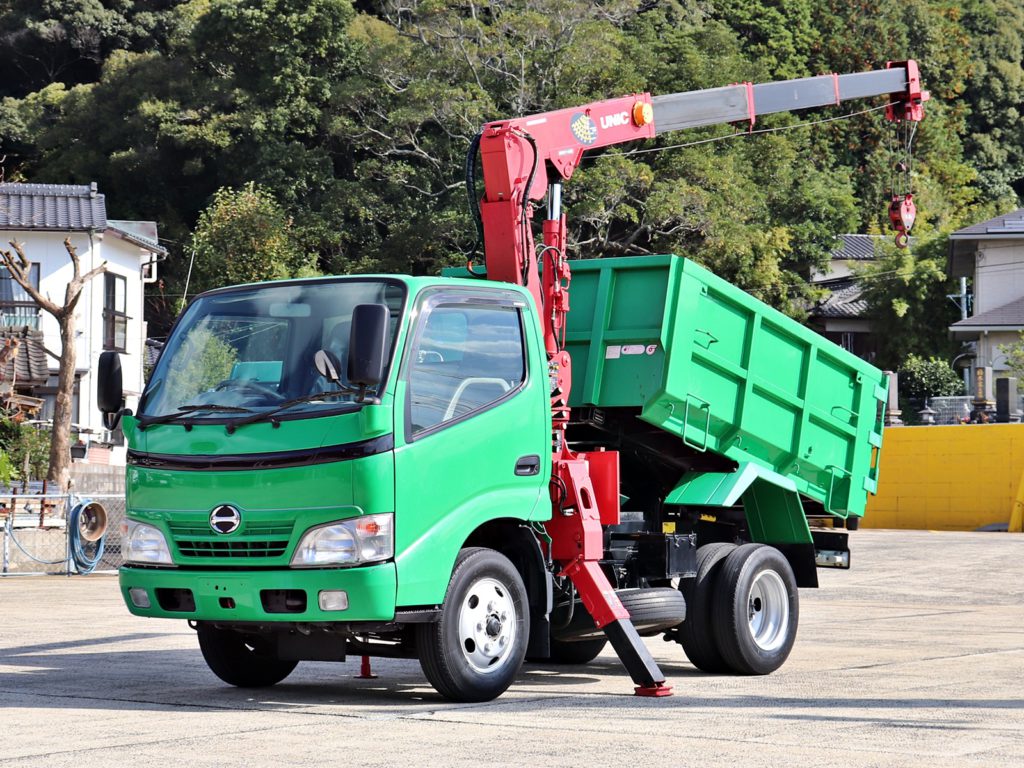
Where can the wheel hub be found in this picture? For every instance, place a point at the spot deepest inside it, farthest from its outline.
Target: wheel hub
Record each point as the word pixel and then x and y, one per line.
pixel 487 625
pixel 493 626
pixel 768 611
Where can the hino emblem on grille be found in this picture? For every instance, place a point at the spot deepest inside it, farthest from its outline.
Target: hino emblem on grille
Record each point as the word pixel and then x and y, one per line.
pixel 225 519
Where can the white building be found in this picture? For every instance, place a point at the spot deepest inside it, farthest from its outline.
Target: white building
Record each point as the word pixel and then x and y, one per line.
pixel 991 254
pixel 110 310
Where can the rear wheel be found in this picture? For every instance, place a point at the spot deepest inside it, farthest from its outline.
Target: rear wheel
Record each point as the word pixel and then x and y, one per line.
pixel 474 652
pixel 241 660
pixel 696 634
pixel 755 610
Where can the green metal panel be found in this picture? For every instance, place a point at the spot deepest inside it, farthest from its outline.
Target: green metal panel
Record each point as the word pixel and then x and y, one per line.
pixel 723 489
pixel 770 501
pixel 728 374
pixel 454 479
pixel 775 515
pixel 371 592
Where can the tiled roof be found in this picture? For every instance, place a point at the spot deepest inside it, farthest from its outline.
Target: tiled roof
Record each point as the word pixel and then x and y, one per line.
pixel 29 366
pixel 1009 226
pixel 62 207
pixel 1009 316
pixel 132 232
pixel 844 301
pixel 856 247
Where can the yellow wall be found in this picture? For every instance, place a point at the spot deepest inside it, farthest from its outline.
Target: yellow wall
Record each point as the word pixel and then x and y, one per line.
pixel 955 478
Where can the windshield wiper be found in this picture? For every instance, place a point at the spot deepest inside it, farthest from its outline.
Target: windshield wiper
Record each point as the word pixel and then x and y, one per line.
pixel 264 415
pixel 185 410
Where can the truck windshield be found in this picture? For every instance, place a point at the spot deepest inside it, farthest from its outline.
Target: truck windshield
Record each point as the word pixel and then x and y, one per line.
pixel 250 350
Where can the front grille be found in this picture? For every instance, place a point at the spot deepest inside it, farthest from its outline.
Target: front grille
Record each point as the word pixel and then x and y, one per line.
pixel 259 528
pixel 257 539
pixel 234 548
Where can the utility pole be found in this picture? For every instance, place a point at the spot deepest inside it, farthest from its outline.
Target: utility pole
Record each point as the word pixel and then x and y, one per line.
pixel 962 300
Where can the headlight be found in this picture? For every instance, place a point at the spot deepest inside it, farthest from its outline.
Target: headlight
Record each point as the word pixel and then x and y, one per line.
pixel 357 540
pixel 146 545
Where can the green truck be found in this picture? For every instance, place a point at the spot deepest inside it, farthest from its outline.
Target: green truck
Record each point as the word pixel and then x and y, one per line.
pixel 403 467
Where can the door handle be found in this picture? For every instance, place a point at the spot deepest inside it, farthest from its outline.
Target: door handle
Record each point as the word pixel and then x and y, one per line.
pixel 527 466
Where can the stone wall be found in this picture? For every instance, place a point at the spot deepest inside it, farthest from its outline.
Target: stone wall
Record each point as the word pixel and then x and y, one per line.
pixel 97 478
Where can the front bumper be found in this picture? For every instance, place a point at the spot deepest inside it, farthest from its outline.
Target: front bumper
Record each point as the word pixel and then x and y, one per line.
pixel 235 596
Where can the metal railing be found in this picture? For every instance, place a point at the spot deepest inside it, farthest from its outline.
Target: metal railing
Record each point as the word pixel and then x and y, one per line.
pixel 37 537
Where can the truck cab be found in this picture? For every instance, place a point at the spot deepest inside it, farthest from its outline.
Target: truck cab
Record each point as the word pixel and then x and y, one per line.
pixel 297 515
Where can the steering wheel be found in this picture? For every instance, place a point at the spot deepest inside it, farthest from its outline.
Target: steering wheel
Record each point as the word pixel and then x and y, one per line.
pixel 249 385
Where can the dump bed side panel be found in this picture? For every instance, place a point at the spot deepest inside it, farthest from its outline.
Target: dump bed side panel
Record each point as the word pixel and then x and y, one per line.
pixel 726 373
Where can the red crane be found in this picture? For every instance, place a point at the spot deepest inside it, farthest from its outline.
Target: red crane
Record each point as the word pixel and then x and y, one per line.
pixel 526 159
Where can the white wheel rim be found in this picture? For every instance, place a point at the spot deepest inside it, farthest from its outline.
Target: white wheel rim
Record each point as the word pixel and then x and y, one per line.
pixel 768 611
pixel 487 625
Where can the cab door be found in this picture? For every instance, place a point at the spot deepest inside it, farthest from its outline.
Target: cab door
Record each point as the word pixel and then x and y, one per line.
pixel 473 430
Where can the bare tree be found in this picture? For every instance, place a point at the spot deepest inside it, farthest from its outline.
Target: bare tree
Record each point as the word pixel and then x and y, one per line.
pixel 19 267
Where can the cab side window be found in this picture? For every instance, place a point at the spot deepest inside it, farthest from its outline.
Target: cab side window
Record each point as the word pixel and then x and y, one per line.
pixel 465 358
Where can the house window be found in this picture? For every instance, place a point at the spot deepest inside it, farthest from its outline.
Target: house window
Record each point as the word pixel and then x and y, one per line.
pixel 16 307
pixel 115 318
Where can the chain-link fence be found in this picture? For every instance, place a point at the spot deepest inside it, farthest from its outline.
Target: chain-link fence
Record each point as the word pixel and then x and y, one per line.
pixel 949 410
pixel 39 533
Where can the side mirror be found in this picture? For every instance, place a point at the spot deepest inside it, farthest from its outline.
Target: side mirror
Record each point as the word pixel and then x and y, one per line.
pixel 367 345
pixel 109 388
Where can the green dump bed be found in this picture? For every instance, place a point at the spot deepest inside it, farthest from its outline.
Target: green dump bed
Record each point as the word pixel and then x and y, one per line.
pixel 726 373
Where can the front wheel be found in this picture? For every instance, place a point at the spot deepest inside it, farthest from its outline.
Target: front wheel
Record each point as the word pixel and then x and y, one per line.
pixel 755 609
pixel 476 649
pixel 241 660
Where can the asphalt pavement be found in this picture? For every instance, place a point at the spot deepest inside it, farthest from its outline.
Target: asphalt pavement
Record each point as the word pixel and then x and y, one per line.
pixel 913 657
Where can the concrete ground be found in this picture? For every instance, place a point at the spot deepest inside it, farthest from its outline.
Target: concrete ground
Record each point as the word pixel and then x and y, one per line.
pixel 914 657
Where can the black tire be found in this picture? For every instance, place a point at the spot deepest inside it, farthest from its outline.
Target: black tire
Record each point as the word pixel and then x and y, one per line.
pixel 755 610
pixel 652 611
pixel 463 655
pixel 580 652
pixel 241 660
pixel 695 634
pixel 852 523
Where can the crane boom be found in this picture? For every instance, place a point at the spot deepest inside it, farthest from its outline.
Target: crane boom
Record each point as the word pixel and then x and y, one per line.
pixel 527 158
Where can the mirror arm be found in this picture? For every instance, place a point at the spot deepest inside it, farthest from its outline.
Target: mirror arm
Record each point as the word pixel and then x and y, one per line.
pixel 112 419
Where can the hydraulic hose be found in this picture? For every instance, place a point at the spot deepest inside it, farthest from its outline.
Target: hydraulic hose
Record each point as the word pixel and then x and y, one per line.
pixel 9 530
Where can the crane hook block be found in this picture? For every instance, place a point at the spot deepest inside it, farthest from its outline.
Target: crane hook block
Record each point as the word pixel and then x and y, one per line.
pixel 902 214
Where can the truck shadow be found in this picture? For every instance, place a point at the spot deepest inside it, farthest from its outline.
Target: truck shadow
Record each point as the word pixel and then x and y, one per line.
pixel 56 676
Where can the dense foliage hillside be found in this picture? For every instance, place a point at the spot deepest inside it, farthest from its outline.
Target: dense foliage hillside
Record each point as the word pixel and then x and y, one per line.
pixel 353 118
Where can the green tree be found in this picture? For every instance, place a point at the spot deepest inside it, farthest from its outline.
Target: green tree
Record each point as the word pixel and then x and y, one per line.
pixel 43 42
pixel 1014 356
pixel 995 95
pixel 22 445
pixel 906 295
pixel 244 236
pixel 922 377
pixel 357 122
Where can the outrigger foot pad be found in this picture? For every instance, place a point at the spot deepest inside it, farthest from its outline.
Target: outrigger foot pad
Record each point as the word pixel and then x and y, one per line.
pixel 636 659
pixel 656 691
